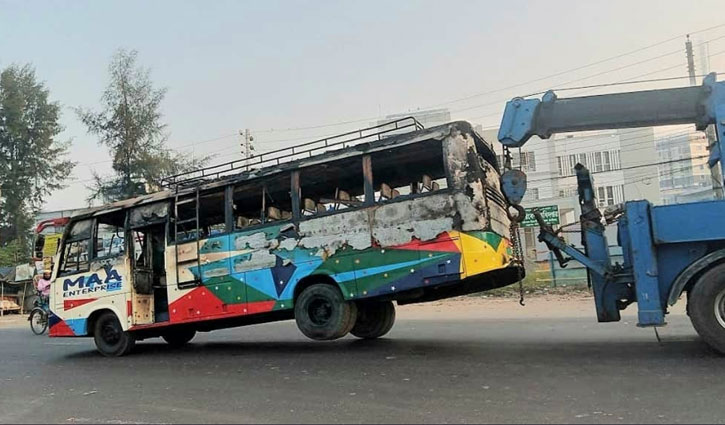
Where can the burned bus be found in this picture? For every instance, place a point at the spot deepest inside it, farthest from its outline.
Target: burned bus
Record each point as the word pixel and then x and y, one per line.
pixel 329 233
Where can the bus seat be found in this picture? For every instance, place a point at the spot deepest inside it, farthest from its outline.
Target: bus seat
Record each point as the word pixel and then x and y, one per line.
pixel 396 193
pixel 309 205
pixel 321 208
pixel 343 196
pixel 435 186
pixel 242 222
pixel 273 214
pixel 286 215
pixel 427 182
pixel 385 191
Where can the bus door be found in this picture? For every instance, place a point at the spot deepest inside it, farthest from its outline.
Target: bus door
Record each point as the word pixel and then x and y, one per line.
pixel 148 268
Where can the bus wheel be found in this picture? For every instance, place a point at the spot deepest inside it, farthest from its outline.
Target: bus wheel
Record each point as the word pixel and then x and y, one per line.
pixel 178 337
pixel 111 340
pixel 322 313
pixel 374 319
pixel 706 302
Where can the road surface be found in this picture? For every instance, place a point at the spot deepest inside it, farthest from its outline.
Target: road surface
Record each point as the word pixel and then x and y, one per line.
pixel 437 365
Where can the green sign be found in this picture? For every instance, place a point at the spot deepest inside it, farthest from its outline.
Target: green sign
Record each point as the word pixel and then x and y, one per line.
pixel 550 213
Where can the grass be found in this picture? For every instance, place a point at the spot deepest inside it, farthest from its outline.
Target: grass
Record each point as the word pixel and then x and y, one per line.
pixel 536 283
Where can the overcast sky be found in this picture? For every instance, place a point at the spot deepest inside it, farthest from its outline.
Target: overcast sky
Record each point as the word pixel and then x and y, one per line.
pixel 272 66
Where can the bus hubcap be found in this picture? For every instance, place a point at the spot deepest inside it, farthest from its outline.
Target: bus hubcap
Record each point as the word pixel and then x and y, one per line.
pixel 110 334
pixel 720 308
pixel 320 311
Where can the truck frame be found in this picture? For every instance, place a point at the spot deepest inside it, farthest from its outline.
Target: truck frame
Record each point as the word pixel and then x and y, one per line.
pixel 668 250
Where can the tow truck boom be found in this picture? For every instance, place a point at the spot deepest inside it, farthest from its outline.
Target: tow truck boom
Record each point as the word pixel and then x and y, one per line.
pixel 668 249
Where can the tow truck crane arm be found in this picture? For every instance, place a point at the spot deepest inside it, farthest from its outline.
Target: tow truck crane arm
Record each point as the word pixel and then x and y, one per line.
pixel 666 249
pixel 699 105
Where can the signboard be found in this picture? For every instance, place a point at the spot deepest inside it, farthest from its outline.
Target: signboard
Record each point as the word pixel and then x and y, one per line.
pixel 549 213
pixel 50 248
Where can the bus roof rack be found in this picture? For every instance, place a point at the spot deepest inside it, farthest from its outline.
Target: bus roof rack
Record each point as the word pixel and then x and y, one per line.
pixel 304 150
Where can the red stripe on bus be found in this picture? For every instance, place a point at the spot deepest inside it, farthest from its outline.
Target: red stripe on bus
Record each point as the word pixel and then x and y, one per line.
pixel 69 304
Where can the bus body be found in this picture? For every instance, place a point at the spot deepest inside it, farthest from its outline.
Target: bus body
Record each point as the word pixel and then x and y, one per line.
pixel 409 218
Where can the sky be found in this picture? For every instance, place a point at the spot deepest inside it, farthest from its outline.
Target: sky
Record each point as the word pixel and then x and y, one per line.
pixel 292 71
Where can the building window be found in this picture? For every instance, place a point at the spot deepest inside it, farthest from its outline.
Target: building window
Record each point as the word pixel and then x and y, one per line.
pixel 595 161
pixel 525 161
pixel 610 195
pixel 598 161
pixel 533 194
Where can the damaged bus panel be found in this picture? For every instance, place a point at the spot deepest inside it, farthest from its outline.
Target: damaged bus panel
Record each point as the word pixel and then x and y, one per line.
pixel 329 234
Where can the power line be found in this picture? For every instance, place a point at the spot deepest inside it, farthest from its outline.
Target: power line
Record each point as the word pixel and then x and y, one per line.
pixel 576 68
pixel 504 88
pixel 627 80
pixel 632 167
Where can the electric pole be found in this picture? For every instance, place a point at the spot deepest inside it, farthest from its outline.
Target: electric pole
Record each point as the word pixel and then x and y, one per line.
pixel 247 146
pixel 717 188
pixel 690 61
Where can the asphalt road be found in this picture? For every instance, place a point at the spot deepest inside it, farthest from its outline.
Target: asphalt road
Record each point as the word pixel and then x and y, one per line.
pixel 543 370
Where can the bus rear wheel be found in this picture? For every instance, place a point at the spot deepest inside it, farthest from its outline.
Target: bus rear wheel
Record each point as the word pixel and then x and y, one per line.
pixel 707 307
pixel 179 337
pixel 374 319
pixel 322 313
pixel 110 338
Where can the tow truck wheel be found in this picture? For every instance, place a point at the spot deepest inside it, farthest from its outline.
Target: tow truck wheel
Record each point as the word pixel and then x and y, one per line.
pixel 110 338
pixel 374 319
pixel 323 314
pixel 707 307
pixel 179 337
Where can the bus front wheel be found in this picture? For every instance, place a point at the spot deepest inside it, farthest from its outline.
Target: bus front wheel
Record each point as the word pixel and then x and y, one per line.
pixel 110 338
pixel 374 319
pixel 322 313
pixel 706 306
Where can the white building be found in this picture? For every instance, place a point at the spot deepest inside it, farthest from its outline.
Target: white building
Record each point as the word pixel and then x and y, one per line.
pixel 684 179
pixel 620 162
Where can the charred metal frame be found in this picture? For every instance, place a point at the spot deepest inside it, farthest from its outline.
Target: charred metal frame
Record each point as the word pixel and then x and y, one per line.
pixel 283 155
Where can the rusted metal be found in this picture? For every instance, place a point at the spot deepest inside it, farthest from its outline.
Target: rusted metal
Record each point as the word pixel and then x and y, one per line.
pixel 283 155
pixel 367 166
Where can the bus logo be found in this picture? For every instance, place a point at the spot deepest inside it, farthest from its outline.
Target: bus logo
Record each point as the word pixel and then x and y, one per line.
pixel 90 284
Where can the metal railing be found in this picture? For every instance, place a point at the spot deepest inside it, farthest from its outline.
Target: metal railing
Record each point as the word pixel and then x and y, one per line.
pixel 304 150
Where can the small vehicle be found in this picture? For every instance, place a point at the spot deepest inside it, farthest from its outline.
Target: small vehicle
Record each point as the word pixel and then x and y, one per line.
pixel 38 316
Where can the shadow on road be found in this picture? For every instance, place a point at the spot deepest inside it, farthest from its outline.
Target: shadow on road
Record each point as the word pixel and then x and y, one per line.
pixel 428 350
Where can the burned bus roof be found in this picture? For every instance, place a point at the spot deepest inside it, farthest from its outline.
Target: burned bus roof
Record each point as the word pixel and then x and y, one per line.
pixel 434 133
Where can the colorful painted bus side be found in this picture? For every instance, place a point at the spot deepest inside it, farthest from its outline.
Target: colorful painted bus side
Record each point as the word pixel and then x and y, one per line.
pixel 334 238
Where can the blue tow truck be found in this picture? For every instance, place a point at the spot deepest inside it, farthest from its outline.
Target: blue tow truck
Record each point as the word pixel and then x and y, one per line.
pixel 668 250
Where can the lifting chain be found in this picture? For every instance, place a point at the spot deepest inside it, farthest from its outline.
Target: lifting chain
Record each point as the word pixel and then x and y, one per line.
pixel 518 257
pixel 514 228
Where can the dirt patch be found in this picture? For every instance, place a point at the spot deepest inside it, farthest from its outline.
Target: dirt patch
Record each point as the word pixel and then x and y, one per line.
pixel 571 304
pixel 14 321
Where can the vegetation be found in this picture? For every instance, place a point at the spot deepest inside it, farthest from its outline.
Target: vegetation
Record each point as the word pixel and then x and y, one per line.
pixel 33 163
pixel 129 124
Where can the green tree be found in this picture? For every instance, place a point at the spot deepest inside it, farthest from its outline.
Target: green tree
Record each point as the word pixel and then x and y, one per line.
pixel 33 162
pixel 129 124
pixel 13 253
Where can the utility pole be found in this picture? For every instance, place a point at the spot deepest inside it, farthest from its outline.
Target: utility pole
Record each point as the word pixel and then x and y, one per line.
pixel 717 187
pixel 690 61
pixel 247 146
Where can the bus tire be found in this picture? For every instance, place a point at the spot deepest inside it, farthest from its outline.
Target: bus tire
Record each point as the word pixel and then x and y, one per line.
pixel 322 313
pixel 110 338
pixel 706 305
pixel 374 319
pixel 179 337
